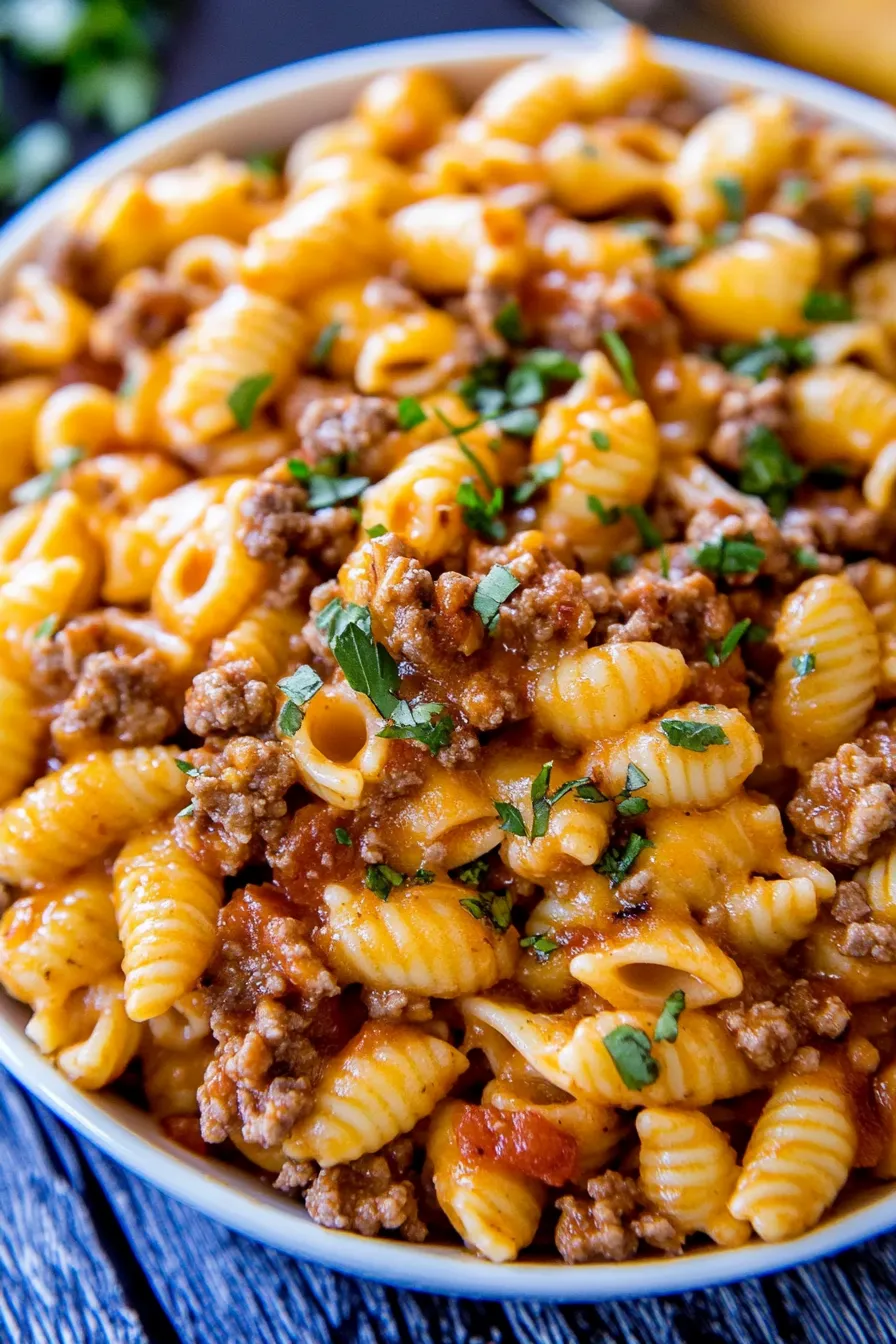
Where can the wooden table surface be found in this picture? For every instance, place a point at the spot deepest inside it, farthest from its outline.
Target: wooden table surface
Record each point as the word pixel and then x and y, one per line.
pixel 92 1255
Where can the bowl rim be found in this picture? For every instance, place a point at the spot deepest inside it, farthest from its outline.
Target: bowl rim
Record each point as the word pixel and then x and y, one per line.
pixel 244 1204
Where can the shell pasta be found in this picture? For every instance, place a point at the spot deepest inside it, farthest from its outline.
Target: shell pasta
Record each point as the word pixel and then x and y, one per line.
pixel 448 659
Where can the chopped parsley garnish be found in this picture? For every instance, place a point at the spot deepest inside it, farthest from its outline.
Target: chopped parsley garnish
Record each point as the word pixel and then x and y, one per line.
pixel 323 346
pixel 376 531
pixel 509 323
pixel 47 628
pixel 729 555
pixel 332 619
pixel 754 361
pixel 471 874
pixel 185 811
pixel 650 537
pixel 245 396
pixel 368 667
pixel 600 440
pixel 186 768
pixel 492 906
pixel 482 513
pixel 537 475
pixel 42 486
pixel 757 634
pixel 540 944
pixel 525 386
pixel 825 307
pixel 607 516
pixel 693 736
pixel 342 836
pixel 428 724
pixel 674 257
pixel 266 161
pixel 622 564
pixel 626 805
pixel 491 591
pixel 324 490
pixel 666 1028
pixel 719 653
pixel 806 558
pixel 298 689
pixel 523 422
pixel 512 818
pixel 795 190
pixel 621 357
pixel 629 1049
pixel 616 862
pixel 410 413
pixel 734 199
pixel 768 471
pixel 382 880
pixel 423 877
pixel 803 664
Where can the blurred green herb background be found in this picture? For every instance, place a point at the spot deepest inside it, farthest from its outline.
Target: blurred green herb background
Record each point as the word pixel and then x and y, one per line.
pixel 97 61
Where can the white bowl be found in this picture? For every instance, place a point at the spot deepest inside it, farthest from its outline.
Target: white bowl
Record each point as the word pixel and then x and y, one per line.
pixel 269 110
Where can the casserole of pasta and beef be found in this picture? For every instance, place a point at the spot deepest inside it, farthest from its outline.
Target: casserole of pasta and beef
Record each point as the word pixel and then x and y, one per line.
pixel 448 618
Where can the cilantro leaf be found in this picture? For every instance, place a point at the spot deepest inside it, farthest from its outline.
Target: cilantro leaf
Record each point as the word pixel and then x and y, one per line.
pixel 541 804
pixel 615 863
pixel 368 667
pixel 629 1049
pixel 537 475
pixel 423 877
pixel 768 471
pixel 693 736
pixel 298 689
pixel 729 555
pixel 509 323
pixel 471 874
pixel 540 944
pixel 382 880
pixel 806 558
pixel 607 516
pixel 511 818
pixel 420 723
pixel 186 768
pixel 621 357
pixel 337 616
pixel 754 361
pixel 495 588
pixel 795 190
pixel 824 307
pixel 803 664
pixel 323 346
pixel 482 514
pixel 245 396
pixel 731 190
pixel 673 257
pixel 46 628
pixel 376 531
pixel 493 906
pixel 522 422
pixel 600 439
pixel 622 564
pixel 325 491
pixel 342 836
pixel 666 1028
pixel 717 654
pixel 553 364
pixel 410 413
pixel 42 486
pixel 525 386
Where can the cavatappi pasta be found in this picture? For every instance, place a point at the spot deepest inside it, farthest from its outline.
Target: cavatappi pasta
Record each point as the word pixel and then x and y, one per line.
pixel 447 666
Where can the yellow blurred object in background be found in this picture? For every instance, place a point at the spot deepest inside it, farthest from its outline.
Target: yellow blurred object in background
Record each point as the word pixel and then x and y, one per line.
pixel 853 41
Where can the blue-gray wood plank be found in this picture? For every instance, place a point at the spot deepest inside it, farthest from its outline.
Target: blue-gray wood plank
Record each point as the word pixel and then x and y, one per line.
pixel 92 1255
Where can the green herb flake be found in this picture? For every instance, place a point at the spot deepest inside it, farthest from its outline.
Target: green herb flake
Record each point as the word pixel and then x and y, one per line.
pixel 323 346
pixel 622 564
pixel 336 616
pixel 821 306
pixel 46 628
pixel 245 397
pixel 522 423
pixel 729 555
pixel 266 162
pixel 482 514
pixel 806 558
pixel 423 877
pixel 382 880
pixel 511 818
pixel 342 836
pixel 621 357
pixel 607 516
pixel 648 533
pixel 509 323
pixel 377 531
pixel 186 768
pixel 525 386
pixel 492 906
pixel 537 475
pixel 803 664
pixel 368 667
pixel 616 863
pixel 673 258
pixel 787 353
pixel 768 471
pixel 757 634
pixel 410 413
pixel 795 190
pixel 185 811
pixel 420 723
pixel 693 736
pixel 540 944
pixel 42 486
pixel 326 491
pixel 495 588
pixel 666 1028
pixel 298 688
pixel 719 653
pixel 629 1049
pixel 472 874
pixel 731 190
pixel 600 440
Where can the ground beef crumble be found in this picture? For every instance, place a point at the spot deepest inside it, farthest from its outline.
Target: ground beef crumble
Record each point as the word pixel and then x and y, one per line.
pixel 744 407
pixel 770 1033
pixel 127 700
pixel 611 1222
pixel 848 802
pixel 839 521
pixel 145 311
pixel 370 1195
pixel 230 698
pixel 239 801
pixel 279 530
pixel 344 426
